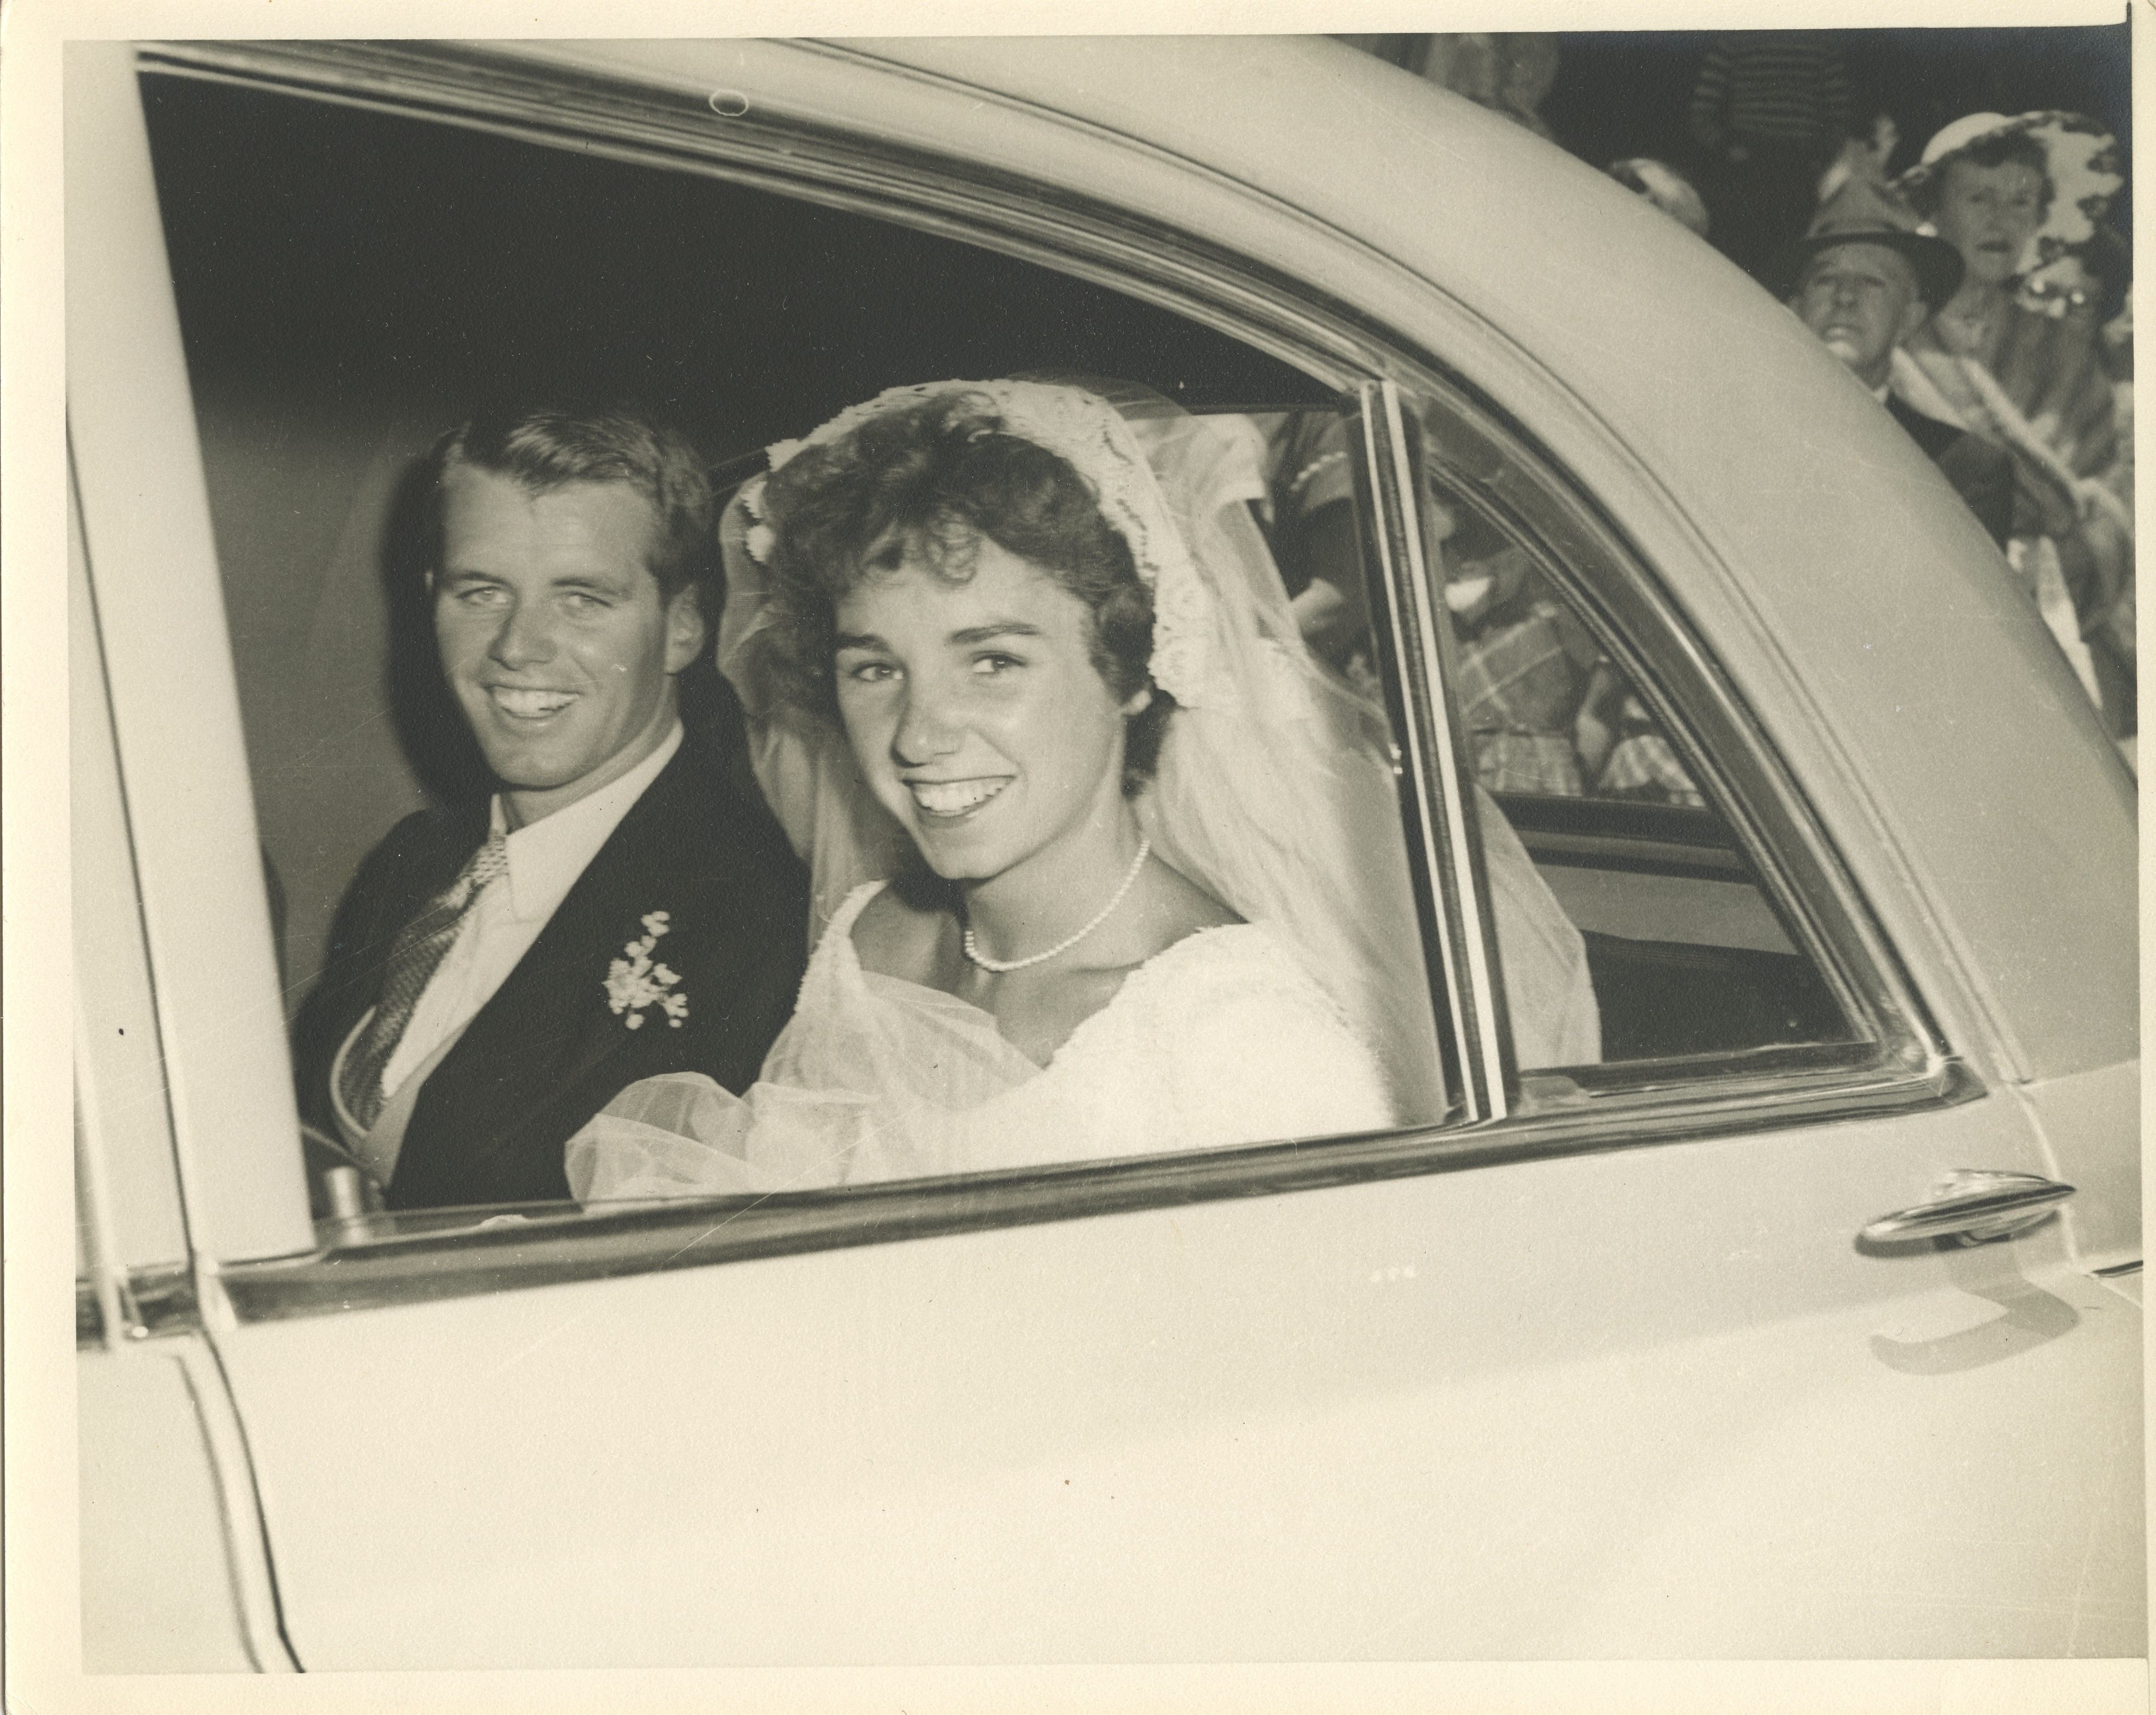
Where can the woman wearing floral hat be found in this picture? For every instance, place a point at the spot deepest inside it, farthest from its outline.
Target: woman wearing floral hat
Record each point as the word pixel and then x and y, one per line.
pixel 2013 195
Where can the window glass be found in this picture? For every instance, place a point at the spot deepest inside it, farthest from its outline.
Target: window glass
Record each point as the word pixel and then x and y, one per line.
pixel 351 284
pixel 1631 925
pixel 1590 771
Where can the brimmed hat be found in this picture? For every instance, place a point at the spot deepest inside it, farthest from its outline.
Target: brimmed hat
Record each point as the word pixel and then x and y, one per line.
pixel 1861 212
pixel 2081 159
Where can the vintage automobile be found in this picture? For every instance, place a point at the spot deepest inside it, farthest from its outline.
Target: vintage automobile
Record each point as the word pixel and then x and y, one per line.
pixel 1805 1320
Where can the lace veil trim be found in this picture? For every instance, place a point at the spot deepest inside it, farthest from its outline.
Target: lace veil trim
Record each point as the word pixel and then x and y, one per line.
pixel 1095 440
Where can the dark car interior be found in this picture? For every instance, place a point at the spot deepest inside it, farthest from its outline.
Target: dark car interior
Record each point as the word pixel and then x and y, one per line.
pixel 1665 995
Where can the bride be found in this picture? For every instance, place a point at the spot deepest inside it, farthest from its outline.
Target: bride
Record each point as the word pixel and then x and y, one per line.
pixel 1109 866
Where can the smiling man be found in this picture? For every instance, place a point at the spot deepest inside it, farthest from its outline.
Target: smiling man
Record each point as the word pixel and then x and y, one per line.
pixel 1866 278
pixel 615 911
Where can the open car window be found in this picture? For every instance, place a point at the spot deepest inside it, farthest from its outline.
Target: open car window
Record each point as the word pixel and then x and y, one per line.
pixel 350 283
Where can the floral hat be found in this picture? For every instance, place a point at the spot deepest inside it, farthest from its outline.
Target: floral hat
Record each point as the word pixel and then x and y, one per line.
pixel 2081 159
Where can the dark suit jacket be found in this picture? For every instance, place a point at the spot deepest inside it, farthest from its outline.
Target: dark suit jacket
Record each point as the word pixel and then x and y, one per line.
pixel 547 1051
pixel 1982 474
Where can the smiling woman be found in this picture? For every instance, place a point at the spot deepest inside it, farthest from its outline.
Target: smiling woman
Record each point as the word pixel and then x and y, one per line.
pixel 1014 627
pixel 981 722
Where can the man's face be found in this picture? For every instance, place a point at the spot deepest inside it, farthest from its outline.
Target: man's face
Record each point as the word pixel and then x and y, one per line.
pixel 1862 301
pixel 553 633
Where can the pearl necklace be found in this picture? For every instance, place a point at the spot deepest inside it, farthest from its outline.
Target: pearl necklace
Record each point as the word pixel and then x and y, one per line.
pixel 1000 965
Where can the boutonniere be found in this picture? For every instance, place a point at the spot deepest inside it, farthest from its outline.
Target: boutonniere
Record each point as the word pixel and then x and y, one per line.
pixel 633 983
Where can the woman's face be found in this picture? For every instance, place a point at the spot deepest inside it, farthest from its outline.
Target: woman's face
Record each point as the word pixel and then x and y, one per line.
pixel 977 714
pixel 1989 213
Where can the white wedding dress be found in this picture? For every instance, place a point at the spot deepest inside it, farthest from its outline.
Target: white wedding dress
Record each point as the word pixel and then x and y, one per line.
pixel 1221 1039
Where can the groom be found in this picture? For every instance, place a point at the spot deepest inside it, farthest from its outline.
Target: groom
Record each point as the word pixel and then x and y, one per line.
pixel 499 971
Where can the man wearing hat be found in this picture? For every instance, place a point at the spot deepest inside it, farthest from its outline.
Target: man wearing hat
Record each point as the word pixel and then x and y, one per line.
pixel 1864 278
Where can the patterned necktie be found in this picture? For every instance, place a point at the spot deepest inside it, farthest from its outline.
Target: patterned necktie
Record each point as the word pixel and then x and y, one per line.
pixel 418 948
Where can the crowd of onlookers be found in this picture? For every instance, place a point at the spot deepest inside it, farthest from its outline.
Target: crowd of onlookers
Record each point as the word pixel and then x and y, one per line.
pixel 1980 290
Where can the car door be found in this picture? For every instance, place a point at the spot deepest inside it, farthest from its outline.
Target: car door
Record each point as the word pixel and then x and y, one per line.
pixel 1600 1366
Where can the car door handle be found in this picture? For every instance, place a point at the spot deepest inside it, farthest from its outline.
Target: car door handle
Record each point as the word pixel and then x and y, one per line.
pixel 1972 1207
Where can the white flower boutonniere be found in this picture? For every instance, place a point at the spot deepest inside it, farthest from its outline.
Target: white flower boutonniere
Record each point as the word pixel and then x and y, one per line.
pixel 633 983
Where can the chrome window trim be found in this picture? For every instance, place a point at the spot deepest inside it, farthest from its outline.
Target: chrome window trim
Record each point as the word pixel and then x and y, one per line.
pixel 560 1244
pixel 1436 761
pixel 1905 1067
pixel 1419 739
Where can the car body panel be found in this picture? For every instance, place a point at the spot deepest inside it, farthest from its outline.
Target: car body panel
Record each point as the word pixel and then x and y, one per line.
pixel 1646 1400
pixel 129 1188
pixel 2091 1127
pixel 1458 1415
pixel 162 1590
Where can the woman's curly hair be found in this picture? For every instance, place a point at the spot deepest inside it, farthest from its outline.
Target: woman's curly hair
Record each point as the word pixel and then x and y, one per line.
pixel 922 484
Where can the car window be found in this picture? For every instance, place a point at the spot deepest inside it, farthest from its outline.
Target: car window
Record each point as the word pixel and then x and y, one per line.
pixel 1631 924
pixel 350 283
pixel 1698 957
pixel 1688 953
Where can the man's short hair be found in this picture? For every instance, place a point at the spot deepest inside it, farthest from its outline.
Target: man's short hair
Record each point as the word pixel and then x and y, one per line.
pixel 545 448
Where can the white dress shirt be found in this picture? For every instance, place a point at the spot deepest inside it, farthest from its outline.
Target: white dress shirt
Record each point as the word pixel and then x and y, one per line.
pixel 545 858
